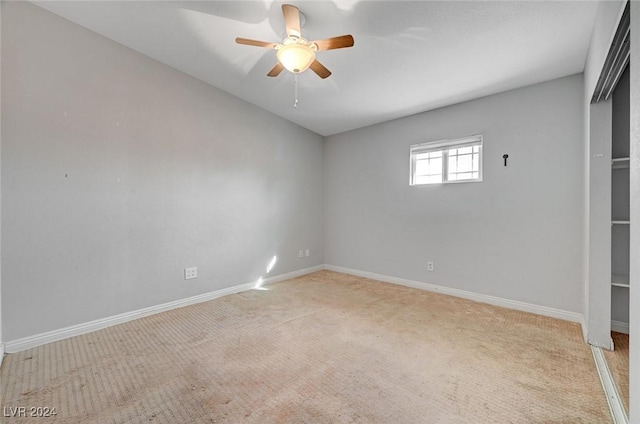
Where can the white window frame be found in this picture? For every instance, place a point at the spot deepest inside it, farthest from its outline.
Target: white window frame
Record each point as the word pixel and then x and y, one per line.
pixel 444 146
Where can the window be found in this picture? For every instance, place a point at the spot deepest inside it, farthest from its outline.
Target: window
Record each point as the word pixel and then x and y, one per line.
pixel 447 161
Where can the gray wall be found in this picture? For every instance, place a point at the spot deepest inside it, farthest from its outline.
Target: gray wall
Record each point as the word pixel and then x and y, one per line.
pixel 634 319
pixel 516 235
pixel 118 172
pixel 1 338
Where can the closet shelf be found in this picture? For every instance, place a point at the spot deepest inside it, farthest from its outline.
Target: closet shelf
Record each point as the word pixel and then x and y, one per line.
pixel 626 286
pixel 620 222
pixel 620 163
pixel 620 280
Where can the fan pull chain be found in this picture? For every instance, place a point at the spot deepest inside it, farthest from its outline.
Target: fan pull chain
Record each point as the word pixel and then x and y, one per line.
pixel 295 90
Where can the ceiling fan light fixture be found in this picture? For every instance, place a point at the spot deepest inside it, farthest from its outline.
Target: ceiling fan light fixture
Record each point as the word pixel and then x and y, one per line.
pixel 296 58
pixel 297 54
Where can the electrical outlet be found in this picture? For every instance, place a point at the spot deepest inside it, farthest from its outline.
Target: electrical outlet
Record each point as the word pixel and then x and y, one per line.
pixel 430 266
pixel 190 273
pixel 300 253
pixel 306 253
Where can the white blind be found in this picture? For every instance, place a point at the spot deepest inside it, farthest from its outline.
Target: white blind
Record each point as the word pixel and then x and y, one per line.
pixel 434 146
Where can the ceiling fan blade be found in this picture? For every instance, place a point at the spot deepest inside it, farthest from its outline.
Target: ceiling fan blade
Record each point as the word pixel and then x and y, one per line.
pixel 256 43
pixel 291 19
pixel 275 71
pixel 335 42
pixel 319 69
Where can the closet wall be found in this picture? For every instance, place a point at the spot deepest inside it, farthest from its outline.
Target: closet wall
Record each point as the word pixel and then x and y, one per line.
pixel 620 205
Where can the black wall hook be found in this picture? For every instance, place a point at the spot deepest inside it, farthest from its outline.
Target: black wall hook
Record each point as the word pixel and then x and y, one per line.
pixel 505 156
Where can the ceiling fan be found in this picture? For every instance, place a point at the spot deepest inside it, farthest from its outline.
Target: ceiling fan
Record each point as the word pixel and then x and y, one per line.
pixel 297 54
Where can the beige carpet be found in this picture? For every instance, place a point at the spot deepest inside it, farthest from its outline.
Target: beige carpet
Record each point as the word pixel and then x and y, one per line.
pixel 618 362
pixel 323 348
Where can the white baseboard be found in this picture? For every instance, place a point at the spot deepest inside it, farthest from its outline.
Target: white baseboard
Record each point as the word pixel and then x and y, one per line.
pixel 614 400
pixel 76 330
pixel 492 300
pixel 1 353
pixel 620 327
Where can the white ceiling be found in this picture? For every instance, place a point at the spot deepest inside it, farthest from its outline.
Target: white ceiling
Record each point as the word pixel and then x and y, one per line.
pixel 408 57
